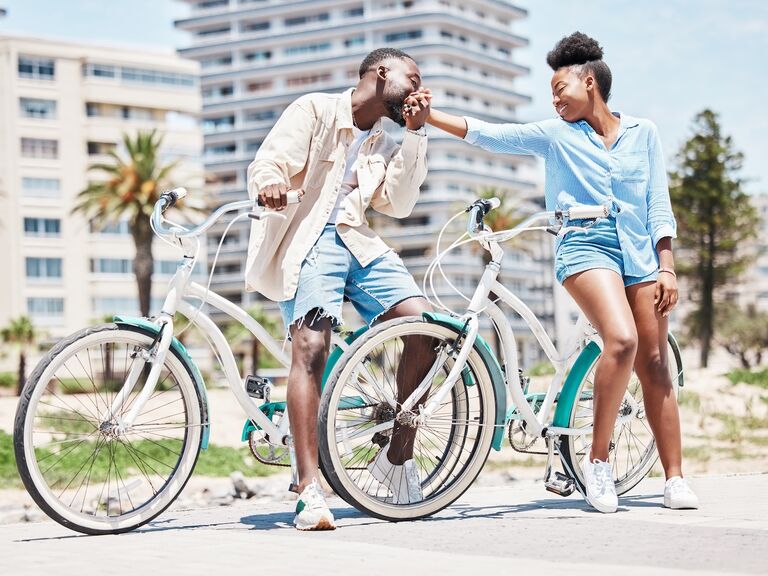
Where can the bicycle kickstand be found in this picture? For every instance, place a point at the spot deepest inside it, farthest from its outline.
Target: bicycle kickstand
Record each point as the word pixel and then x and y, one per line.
pixel 557 483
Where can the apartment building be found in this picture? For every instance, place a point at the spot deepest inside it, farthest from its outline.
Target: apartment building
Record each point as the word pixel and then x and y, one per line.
pixel 65 106
pixel 256 56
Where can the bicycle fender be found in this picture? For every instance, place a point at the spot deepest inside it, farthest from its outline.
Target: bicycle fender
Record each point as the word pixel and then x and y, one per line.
pixel 568 394
pixel 491 364
pixel 144 325
pixel 336 353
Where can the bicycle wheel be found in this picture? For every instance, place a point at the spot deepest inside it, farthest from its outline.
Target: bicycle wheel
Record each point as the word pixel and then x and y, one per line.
pixel 633 448
pixel 356 417
pixel 76 464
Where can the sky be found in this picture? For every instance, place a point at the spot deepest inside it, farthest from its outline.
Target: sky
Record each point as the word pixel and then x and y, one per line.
pixel 670 58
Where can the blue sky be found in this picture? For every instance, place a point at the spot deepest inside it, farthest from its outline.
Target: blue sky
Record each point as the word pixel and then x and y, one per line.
pixel 670 58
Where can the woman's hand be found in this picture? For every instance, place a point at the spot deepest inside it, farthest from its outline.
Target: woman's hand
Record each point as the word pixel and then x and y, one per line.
pixel 416 108
pixel 666 295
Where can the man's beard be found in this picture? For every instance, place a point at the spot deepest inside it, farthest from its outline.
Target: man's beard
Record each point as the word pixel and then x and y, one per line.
pixel 394 104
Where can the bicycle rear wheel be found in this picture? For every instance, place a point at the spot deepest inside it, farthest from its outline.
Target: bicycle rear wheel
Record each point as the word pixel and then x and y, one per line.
pixel 356 417
pixel 76 463
pixel 633 448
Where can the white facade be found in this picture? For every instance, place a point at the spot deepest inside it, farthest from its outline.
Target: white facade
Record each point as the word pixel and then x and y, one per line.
pixel 257 56
pixel 63 106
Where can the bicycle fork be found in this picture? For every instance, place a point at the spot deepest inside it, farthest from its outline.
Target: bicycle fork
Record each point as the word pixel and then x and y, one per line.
pixel 155 357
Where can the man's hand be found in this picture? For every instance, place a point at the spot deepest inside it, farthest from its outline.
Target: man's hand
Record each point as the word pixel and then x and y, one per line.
pixel 416 108
pixel 274 196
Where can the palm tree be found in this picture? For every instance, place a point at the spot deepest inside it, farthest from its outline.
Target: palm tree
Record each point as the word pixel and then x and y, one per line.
pixel 236 333
pixel 131 188
pixel 20 332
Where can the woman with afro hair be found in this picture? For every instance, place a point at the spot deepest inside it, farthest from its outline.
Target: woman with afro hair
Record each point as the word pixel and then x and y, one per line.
pixel 620 271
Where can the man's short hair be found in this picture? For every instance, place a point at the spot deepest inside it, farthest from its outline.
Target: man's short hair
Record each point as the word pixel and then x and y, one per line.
pixel 380 55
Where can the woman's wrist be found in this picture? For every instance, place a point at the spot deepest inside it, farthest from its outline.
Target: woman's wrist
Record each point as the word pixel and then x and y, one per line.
pixel 667 270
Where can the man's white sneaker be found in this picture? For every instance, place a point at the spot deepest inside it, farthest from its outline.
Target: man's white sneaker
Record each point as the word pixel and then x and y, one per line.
pixel 678 495
pixel 601 491
pixel 402 480
pixel 312 512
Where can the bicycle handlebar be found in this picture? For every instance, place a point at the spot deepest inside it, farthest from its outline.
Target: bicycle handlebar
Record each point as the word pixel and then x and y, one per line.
pixel 170 197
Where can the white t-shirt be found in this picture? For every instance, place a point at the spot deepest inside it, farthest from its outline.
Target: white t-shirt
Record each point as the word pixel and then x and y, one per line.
pixel 349 182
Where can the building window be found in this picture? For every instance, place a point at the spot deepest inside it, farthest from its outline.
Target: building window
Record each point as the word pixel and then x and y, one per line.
pixel 354 41
pixel 307 19
pixel 260 115
pixel 212 4
pixel 225 60
pixel 43 268
pixel 255 26
pixel 37 68
pixel 307 49
pixel 40 187
pixel 219 91
pixel 214 31
pixel 42 227
pixel 138 75
pixel 37 108
pixel 400 36
pixel 49 307
pixel 354 12
pixel 259 86
pixel 259 56
pixel 220 123
pixel 121 228
pixel 39 148
pixel 304 80
pixel 220 150
pixel 99 148
pixel 110 266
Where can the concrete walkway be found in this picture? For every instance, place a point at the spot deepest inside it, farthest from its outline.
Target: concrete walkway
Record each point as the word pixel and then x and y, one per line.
pixel 518 528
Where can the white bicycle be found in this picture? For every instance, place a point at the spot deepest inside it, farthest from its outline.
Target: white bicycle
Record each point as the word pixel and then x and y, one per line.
pixel 112 420
pixel 469 397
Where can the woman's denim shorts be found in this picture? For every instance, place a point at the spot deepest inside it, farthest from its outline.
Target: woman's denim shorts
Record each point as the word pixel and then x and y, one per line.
pixel 597 247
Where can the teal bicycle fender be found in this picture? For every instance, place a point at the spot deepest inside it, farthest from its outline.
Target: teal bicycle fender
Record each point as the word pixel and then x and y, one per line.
pixel 144 325
pixel 491 364
pixel 568 393
pixel 336 354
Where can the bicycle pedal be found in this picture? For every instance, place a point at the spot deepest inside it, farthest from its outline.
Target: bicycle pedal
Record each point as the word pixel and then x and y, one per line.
pixel 258 387
pixel 561 485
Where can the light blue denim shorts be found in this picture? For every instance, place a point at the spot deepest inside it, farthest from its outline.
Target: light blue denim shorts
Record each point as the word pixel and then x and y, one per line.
pixel 330 273
pixel 597 247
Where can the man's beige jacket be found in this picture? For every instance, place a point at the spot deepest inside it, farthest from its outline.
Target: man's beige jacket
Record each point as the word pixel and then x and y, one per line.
pixel 307 149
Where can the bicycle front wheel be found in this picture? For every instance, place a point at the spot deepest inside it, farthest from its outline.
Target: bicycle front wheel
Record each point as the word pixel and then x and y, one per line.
pixel 633 448
pixel 76 463
pixel 357 412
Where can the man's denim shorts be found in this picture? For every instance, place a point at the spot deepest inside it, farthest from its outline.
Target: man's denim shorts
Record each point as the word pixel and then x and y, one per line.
pixel 597 247
pixel 330 273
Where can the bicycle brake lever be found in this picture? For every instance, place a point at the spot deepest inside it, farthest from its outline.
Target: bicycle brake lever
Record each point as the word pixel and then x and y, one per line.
pixel 262 215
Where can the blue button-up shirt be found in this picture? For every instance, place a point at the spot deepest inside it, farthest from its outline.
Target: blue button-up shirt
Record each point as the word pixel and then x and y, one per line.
pixel 581 171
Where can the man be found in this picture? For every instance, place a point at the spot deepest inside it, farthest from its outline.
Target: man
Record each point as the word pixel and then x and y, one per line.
pixel 333 147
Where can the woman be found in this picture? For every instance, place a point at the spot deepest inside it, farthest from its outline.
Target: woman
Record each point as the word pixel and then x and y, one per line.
pixel 621 270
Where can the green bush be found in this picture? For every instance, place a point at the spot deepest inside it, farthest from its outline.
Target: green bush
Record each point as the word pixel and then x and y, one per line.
pixel 752 377
pixel 8 380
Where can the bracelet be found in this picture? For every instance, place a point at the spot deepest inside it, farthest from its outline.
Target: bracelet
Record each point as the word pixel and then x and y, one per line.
pixel 419 131
pixel 668 271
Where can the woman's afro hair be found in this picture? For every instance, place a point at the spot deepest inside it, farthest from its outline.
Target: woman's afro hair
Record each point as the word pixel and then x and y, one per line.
pixel 578 49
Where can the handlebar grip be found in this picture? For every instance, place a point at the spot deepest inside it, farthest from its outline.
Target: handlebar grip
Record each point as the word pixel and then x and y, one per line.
pixel 292 197
pixel 587 212
pixel 173 196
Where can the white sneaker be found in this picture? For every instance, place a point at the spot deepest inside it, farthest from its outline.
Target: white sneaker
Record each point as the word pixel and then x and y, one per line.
pixel 312 513
pixel 678 495
pixel 601 491
pixel 402 480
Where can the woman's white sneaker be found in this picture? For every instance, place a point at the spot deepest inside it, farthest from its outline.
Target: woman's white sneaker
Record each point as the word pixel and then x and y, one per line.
pixel 601 491
pixel 678 495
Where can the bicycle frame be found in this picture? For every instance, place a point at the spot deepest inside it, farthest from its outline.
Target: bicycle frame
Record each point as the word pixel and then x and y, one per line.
pixel 537 423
